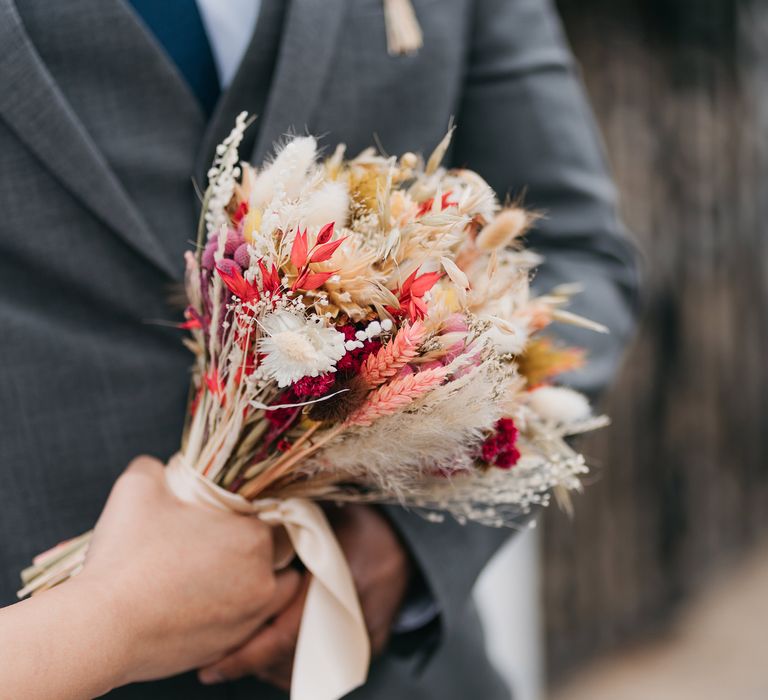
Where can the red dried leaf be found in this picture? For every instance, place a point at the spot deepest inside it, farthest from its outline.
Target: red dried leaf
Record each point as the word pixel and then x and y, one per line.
pixel 412 290
pixel 426 205
pixel 325 233
pixel 325 251
pixel 193 319
pixel 240 212
pixel 421 285
pixel 299 249
pixel 312 280
pixel 417 309
pixel 214 384
pixel 270 278
pixel 405 287
pixel 238 285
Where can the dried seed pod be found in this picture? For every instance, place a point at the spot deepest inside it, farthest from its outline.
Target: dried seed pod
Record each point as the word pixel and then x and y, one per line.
pixel 337 408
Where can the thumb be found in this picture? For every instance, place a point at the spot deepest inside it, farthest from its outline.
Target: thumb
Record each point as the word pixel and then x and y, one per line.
pixel 145 465
pixel 143 476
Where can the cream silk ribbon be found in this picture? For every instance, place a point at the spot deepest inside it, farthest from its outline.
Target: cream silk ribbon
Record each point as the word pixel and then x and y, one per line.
pixel 333 650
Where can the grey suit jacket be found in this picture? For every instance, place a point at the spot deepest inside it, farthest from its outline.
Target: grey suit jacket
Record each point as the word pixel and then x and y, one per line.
pixel 99 140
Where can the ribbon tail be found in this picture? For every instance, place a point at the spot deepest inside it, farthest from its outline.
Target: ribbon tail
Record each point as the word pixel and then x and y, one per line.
pixel 333 650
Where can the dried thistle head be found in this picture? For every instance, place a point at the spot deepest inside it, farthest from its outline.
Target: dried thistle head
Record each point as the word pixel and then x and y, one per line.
pixel 338 408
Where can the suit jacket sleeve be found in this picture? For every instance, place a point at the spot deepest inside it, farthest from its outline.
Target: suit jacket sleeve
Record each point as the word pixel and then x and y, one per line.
pixel 524 124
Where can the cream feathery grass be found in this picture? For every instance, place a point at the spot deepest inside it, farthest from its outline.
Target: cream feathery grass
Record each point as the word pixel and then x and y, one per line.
pixel 478 199
pixel 501 283
pixel 381 366
pixel 435 431
pixel 286 175
pixel 507 226
pixel 396 395
pixel 330 202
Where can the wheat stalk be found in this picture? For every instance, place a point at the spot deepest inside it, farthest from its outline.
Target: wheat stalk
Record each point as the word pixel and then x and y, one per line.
pixel 396 395
pixel 392 357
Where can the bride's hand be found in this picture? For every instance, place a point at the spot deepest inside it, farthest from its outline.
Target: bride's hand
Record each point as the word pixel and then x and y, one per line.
pixel 186 584
pixel 167 587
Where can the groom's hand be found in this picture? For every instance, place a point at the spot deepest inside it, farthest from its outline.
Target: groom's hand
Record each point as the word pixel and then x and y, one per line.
pixel 381 569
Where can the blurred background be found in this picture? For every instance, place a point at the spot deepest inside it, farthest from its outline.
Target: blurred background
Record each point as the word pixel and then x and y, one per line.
pixel 658 587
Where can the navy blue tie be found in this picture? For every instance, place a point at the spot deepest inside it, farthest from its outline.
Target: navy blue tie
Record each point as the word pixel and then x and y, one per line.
pixel 179 28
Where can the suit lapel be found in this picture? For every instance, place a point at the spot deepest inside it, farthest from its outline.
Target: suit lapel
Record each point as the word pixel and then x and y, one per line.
pixel 311 31
pixel 34 108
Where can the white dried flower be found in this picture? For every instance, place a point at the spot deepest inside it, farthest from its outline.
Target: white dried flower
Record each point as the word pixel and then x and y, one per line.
pixel 297 347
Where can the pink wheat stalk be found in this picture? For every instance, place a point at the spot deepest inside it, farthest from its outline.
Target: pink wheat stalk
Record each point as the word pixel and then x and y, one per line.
pixel 392 357
pixel 396 395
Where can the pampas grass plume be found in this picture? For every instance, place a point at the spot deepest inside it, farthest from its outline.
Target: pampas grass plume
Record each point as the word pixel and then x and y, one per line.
pixel 287 172
pixel 328 203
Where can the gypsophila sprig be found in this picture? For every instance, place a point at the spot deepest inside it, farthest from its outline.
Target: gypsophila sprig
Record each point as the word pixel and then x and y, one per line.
pixel 222 177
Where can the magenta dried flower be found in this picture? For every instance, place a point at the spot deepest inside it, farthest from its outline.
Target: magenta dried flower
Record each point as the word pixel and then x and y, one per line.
pixel 242 257
pixel 234 241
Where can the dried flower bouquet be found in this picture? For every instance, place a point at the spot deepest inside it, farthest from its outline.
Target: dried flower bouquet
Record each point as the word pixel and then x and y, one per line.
pixel 363 330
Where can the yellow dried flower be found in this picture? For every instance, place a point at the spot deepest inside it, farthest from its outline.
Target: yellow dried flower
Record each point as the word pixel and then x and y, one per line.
pixel 542 360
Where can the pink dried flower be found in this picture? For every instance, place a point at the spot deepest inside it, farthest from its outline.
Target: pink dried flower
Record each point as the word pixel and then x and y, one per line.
pixel 281 417
pixel 500 448
pixel 350 363
pixel 353 359
pixel 242 257
pixel 490 449
pixel 455 323
pixel 229 267
pixel 312 387
pixel 508 458
pixel 234 241
pixel 507 428
pixel 207 259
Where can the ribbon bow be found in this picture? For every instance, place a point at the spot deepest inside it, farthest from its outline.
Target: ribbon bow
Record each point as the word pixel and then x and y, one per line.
pixel 333 649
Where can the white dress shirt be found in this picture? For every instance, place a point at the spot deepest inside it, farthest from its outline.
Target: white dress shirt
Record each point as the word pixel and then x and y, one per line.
pixel 229 25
